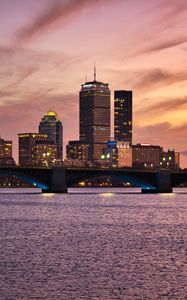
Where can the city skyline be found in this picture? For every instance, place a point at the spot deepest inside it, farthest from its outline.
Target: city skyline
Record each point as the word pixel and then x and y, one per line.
pixel 47 50
pixel 90 114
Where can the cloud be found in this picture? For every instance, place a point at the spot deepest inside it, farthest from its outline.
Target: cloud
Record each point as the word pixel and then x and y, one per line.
pixel 151 133
pixel 165 134
pixel 164 24
pixel 169 17
pixel 143 80
pixel 4 51
pixel 164 45
pixel 184 152
pixel 176 8
pixel 26 74
pixel 30 56
pixel 162 107
pixel 60 11
pixel 39 101
pixel 13 59
pixel 155 78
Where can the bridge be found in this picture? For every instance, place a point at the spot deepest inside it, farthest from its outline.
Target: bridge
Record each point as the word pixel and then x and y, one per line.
pixel 59 179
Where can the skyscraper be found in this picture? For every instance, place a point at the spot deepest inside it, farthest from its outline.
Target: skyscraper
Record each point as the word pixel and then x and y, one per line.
pixel 95 117
pixel 123 116
pixel 52 126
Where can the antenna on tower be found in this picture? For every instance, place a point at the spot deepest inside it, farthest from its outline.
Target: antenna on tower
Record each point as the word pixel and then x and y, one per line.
pixel 94 71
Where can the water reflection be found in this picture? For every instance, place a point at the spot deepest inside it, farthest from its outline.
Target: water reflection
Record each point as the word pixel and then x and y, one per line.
pixel 107 195
pixel 93 246
pixel 48 195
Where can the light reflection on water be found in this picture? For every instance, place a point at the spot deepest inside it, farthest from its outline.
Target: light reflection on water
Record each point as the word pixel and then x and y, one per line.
pixel 93 244
pixel 106 194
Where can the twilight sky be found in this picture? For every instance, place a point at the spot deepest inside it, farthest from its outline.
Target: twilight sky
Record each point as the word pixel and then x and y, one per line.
pixel 48 47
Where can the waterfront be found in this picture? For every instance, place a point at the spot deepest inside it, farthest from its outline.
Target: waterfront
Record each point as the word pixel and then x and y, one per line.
pixel 93 245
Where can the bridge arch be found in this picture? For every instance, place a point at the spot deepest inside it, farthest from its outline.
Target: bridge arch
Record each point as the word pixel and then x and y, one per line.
pixel 137 182
pixel 179 179
pixel 28 179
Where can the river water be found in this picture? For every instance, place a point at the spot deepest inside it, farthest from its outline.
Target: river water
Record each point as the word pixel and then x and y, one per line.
pixel 93 244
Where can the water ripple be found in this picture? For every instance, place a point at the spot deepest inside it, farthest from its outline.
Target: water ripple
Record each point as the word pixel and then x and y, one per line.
pixel 89 246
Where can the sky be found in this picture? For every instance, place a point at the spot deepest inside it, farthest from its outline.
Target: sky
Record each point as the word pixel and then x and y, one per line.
pixel 48 49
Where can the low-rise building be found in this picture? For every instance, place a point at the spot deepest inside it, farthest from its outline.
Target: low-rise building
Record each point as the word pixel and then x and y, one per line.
pixel 77 163
pixel 44 153
pixel 77 150
pixel 6 153
pixel 146 156
pixel 109 157
pixel 36 150
pixel 124 154
pixel 170 159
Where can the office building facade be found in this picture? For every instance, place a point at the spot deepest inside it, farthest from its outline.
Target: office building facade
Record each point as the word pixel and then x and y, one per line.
pixel 6 153
pixel 44 154
pixel 27 142
pixel 52 126
pixel 124 155
pixel 170 160
pixel 95 117
pixel 146 156
pixel 5 148
pixel 110 155
pixel 76 150
pixel 123 116
pixel 35 150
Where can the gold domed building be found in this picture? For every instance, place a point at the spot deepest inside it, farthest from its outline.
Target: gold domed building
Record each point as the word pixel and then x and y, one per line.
pixel 52 126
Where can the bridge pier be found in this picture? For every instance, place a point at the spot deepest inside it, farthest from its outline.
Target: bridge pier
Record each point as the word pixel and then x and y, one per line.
pixel 58 182
pixel 163 183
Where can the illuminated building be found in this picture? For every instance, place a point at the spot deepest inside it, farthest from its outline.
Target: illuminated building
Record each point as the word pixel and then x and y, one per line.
pixel 6 153
pixel 76 163
pixel 123 116
pixel 52 126
pixel 109 156
pixel 77 150
pixel 95 117
pixel 27 141
pixel 36 150
pixel 117 154
pixel 146 156
pixel 44 153
pixel 5 148
pixel 124 154
pixel 170 160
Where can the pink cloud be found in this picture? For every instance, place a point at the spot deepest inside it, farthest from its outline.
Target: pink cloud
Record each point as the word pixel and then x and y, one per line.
pixel 59 11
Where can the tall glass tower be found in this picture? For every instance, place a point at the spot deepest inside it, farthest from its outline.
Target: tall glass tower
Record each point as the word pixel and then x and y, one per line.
pixel 95 117
pixel 52 126
pixel 123 116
